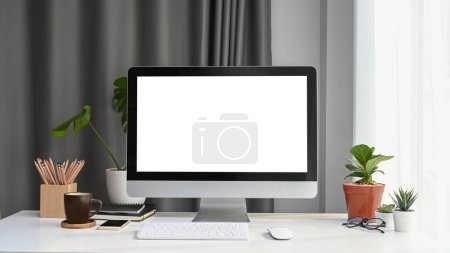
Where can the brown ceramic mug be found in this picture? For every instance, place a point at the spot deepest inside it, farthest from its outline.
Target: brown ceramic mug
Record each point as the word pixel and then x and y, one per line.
pixel 77 206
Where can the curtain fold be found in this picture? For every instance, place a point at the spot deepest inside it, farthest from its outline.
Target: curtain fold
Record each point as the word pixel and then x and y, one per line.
pixel 57 56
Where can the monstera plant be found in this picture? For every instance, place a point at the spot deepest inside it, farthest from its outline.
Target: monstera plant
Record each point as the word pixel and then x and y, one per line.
pixel 115 177
pixel 363 195
pixel 80 121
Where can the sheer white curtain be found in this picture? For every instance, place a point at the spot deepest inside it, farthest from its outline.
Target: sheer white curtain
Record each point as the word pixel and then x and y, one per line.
pixel 402 99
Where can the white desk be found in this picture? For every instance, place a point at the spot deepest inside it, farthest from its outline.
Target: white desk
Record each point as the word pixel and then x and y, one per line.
pixel 25 231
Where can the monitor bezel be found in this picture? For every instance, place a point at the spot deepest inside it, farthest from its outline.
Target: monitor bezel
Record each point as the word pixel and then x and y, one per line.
pixel 309 72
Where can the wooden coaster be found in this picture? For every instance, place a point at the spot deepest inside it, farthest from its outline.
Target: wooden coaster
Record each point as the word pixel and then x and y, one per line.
pixel 90 224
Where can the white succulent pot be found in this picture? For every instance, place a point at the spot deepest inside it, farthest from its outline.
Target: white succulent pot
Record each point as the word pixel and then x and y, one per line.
pixel 404 221
pixel 116 184
pixel 387 217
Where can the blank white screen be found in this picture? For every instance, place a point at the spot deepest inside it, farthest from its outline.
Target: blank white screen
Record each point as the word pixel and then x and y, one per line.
pixel 167 108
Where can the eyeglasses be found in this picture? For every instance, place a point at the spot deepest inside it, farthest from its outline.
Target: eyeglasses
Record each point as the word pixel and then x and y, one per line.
pixel 371 224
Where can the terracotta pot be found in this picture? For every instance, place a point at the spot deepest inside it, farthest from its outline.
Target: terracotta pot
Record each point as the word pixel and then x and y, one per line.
pixel 362 200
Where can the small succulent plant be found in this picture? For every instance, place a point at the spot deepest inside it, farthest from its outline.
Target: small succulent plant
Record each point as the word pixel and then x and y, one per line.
pixel 386 208
pixel 404 199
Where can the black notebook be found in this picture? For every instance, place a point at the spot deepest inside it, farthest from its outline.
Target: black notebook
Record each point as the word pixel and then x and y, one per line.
pixel 147 211
pixel 127 209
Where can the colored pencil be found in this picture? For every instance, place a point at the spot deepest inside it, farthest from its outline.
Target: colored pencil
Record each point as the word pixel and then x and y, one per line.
pixel 44 178
pixel 62 174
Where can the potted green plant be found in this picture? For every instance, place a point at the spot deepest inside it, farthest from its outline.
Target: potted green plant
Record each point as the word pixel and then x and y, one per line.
pixel 404 216
pixel 384 212
pixel 115 177
pixel 363 196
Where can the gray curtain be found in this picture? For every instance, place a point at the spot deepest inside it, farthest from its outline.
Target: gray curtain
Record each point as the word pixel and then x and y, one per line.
pixel 56 56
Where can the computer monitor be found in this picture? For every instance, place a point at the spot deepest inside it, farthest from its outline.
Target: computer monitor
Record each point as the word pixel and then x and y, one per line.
pixel 222 134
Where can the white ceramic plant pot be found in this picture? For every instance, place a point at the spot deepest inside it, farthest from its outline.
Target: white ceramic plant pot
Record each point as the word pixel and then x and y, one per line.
pixel 404 221
pixel 387 217
pixel 116 184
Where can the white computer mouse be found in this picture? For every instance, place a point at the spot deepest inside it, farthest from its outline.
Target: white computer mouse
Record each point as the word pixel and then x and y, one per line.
pixel 280 233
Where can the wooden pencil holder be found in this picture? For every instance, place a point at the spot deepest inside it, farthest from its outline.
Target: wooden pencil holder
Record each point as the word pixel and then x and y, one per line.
pixel 52 199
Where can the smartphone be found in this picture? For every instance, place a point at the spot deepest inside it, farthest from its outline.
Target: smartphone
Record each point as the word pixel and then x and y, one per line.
pixel 113 225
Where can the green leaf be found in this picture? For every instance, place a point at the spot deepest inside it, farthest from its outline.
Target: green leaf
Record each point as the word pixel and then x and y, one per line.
pixel 121 82
pixel 122 104
pixel 386 208
pixel 356 174
pixel 120 100
pixel 82 119
pixel 371 165
pixel 61 130
pixel 79 121
pixel 362 153
pixel 367 179
pixel 404 199
pixel 352 167
pixel 355 163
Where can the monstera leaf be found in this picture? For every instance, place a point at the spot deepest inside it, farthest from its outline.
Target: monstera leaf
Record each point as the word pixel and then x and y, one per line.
pixel 120 101
pixel 80 121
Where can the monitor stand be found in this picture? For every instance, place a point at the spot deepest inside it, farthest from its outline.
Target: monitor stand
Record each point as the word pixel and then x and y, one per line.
pixel 222 210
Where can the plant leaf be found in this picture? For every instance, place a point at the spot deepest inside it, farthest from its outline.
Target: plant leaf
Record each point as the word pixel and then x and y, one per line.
pixel 121 82
pixel 384 208
pixel 404 199
pixel 356 174
pixel 82 119
pixel 362 153
pixel 371 165
pixel 79 121
pixel 61 130
pixel 352 167
pixel 355 163
pixel 120 101
pixel 395 200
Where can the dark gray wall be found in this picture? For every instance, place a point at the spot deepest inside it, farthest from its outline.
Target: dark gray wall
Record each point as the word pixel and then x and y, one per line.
pixel 320 34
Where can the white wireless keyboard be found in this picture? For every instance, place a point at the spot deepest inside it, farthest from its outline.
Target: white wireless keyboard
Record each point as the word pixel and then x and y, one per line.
pixel 193 231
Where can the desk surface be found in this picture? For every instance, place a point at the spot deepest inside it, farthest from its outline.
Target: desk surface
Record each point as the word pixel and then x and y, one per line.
pixel 26 232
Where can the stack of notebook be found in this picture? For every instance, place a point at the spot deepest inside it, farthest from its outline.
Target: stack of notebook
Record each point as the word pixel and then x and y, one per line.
pixel 125 212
